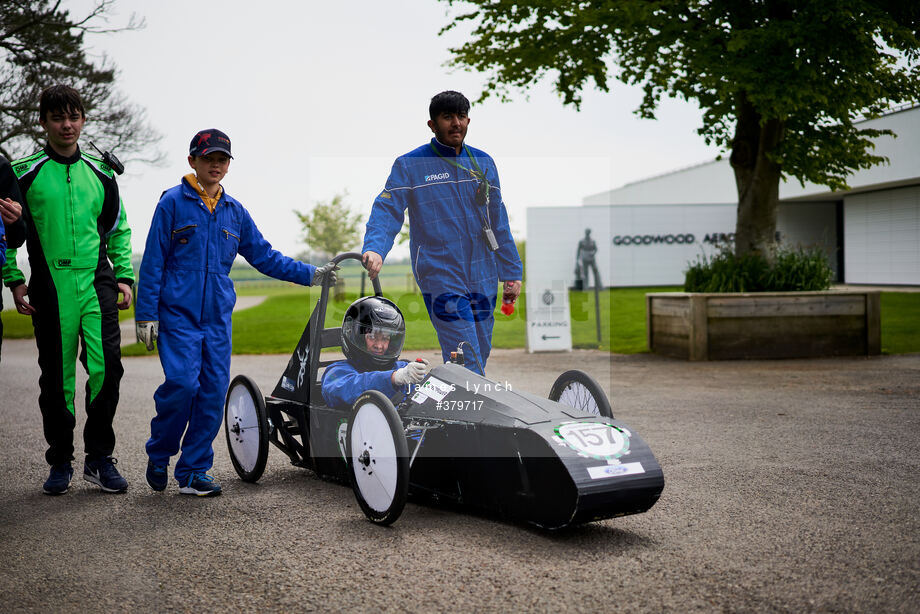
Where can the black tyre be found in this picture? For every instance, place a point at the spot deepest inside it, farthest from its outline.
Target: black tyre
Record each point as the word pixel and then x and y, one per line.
pixel 378 458
pixel 579 390
pixel 246 426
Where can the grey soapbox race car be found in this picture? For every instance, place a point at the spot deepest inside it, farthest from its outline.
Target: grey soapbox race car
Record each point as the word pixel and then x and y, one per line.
pixel 457 438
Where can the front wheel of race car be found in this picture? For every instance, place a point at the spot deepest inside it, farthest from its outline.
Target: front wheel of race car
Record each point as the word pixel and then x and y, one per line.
pixel 246 426
pixel 579 390
pixel 378 458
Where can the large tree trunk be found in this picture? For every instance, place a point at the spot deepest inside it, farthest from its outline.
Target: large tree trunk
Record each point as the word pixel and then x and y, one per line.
pixel 757 179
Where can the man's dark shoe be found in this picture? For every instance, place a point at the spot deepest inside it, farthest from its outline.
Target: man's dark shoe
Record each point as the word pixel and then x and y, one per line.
pixel 157 476
pixel 58 480
pixel 102 472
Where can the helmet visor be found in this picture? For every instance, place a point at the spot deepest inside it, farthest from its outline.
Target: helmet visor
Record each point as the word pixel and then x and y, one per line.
pixel 381 341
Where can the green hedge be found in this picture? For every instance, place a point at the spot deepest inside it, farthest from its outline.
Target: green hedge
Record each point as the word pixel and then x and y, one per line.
pixel 788 271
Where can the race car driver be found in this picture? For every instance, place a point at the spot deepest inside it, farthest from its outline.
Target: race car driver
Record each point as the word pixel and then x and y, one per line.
pixel 373 332
pixel 459 238
pixel 185 300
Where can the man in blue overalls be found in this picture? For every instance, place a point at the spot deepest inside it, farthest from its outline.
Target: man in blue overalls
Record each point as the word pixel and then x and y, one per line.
pixel 459 238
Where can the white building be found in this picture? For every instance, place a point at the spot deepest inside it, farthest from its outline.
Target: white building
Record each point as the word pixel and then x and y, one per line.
pixel 648 231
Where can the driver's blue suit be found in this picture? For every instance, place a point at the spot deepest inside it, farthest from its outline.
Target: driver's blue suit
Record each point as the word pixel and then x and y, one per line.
pixel 185 285
pixel 453 265
pixel 343 383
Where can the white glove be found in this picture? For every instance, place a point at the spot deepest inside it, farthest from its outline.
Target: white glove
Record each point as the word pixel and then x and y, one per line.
pixel 147 332
pixel 324 274
pixel 412 373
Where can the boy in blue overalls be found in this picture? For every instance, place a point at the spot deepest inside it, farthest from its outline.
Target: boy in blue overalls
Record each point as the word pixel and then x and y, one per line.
pixel 185 300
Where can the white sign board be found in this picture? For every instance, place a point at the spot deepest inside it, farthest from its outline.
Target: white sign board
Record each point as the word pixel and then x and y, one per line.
pixel 548 326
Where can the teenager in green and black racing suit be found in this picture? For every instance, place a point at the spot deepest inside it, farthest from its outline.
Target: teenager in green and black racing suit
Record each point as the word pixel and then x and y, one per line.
pixel 75 224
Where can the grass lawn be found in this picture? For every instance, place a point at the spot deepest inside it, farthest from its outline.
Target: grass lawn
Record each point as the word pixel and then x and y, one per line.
pixel 275 325
pixel 900 322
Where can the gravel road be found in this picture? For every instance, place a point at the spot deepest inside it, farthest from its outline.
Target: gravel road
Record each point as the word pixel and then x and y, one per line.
pixel 790 486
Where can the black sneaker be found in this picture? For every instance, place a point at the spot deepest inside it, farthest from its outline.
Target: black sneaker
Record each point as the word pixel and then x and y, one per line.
pixel 58 480
pixel 103 473
pixel 200 484
pixel 157 476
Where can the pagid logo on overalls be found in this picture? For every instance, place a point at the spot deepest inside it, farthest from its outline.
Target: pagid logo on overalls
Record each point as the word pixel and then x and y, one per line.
pixel 437 177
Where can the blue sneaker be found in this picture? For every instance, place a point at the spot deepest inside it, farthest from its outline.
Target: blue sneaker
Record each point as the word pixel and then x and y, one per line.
pixel 58 480
pixel 200 484
pixel 157 476
pixel 103 473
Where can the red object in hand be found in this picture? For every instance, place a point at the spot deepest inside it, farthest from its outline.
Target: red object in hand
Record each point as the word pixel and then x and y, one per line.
pixel 507 308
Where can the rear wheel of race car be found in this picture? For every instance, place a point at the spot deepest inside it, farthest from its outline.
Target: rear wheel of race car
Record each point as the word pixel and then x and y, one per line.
pixel 378 458
pixel 246 426
pixel 579 390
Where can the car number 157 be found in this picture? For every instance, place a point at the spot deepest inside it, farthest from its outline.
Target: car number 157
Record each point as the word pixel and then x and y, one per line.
pixel 595 439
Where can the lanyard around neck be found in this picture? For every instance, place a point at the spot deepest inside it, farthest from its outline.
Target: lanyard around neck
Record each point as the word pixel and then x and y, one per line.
pixel 477 174
pixel 480 177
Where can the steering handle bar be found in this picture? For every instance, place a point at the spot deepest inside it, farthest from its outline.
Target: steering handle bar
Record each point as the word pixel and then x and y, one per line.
pixel 360 258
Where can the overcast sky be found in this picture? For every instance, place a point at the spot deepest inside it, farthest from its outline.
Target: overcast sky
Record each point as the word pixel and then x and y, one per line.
pixel 320 97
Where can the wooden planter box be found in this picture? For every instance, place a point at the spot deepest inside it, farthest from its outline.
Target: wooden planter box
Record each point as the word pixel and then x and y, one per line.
pixel 699 326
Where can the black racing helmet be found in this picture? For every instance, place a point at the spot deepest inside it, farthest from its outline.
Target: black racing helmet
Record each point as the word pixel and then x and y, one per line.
pixel 380 319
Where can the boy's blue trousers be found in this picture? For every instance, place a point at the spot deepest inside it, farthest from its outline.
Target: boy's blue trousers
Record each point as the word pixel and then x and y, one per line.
pixel 196 362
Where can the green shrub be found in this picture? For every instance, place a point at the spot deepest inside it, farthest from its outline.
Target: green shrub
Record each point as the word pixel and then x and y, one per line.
pixel 790 271
pixel 800 270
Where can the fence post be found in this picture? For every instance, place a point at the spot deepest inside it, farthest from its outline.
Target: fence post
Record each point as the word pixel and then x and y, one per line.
pixel 698 336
